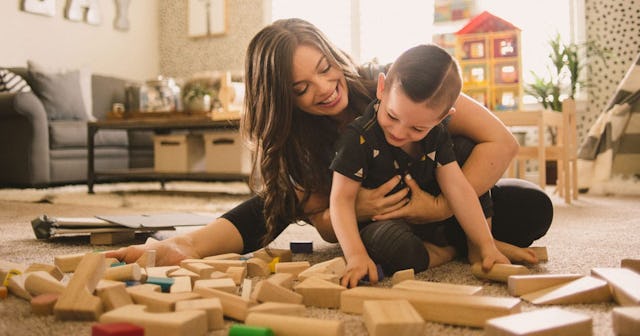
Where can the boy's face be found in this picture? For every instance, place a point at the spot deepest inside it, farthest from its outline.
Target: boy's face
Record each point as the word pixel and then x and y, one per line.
pixel 402 120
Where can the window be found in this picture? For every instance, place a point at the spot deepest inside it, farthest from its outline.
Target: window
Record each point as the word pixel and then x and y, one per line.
pixel 381 29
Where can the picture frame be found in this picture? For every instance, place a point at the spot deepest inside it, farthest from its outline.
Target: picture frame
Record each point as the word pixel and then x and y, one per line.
pixel 207 18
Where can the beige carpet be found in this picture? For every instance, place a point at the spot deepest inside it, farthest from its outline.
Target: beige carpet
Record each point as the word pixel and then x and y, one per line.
pixel 595 231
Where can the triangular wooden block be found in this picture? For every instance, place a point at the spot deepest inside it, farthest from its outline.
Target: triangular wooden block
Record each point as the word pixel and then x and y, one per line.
pixel 279 308
pixel 632 264
pixel 625 284
pixel 524 284
pixel 542 322
pixel 183 323
pixel 626 321
pixel 335 266
pixel 584 290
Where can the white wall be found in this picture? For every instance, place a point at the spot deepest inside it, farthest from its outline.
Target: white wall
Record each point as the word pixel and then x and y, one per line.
pixel 57 42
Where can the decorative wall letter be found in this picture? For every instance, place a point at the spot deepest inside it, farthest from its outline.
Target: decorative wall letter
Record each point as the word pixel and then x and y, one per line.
pixel 76 10
pixel 121 21
pixel 43 7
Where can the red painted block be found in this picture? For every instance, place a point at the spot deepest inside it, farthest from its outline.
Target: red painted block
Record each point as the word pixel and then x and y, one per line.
pixel 43 303
pixel 116 329
pixel 3 292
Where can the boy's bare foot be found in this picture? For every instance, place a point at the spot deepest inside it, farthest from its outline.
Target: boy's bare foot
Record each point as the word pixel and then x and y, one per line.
pixel 517 254
pixel 439 255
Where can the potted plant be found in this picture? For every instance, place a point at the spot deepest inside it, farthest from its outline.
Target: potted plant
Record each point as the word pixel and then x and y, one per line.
pixel 198 98
pixel 563 81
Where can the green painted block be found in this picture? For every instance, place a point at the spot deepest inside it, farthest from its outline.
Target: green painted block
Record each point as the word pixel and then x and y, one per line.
pixel 164 283
pixel 245 330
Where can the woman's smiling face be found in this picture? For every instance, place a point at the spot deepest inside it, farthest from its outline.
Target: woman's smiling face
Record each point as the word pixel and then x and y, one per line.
pixel 319 86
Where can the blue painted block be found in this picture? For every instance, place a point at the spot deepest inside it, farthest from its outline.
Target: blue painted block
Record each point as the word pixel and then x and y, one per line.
pixel 164 283
pixel 301 246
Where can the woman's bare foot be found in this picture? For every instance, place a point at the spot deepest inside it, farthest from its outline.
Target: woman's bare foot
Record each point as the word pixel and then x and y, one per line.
pixel 517 254
pixel 439 255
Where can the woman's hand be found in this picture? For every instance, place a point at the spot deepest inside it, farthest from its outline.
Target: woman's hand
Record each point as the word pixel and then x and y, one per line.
pixel 421 208
pixel 358 266
pixel 373 202
pixel 168 252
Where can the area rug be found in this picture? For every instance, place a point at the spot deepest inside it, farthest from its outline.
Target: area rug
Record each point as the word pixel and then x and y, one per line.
pixel 594 231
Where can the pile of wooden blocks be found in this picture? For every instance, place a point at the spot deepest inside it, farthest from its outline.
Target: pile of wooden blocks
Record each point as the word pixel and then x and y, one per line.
pixel 268 294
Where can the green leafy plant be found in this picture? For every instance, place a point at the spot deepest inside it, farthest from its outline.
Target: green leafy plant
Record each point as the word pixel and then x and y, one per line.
pixel 197 91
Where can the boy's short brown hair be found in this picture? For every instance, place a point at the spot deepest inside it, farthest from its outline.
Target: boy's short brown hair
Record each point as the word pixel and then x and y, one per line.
pixel 427 73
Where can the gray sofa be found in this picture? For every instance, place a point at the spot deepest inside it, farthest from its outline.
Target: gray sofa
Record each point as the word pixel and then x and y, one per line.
pixel 37 150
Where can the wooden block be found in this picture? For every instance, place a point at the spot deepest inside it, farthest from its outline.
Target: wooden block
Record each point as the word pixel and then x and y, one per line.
pixel 219 264
pixel 293 267
pixel 324 276
pixel 268 254
pixel 624 284
pixel 77 302
pixel 467 310
pixel 123 273
pixel 8 266
pixel 225 284
pixel 201 269
pixel 158 301
pixel 626 321
pixel 68 263
pixel 257 267
pixel 632 264
pixel 183 272
pixel 272 265
pixel 282 279
pixel 319 293
pixel 212 308
pixel 164 283
pixel 183 323
pixel 3 292
pixel 43 303
pixel 499 272
pixel 583 290
pixel 266 291
pixel 147 259
pixel 399 276
pixel 16 286
pixel 295 325
pixel 335 266
pixel 524 284
pixel 301 246
pixel 233 306
pixel 280 308
pixel 247 288
pixel 160 271
pixel 53 270
pixel 541 252
pixel 113 296
pixel 181 284
pixel 111 238
pixel 42 282
pixel 237 273
pixel 543 322
pixel 437 287
pixel 225 256
pixel 245 330
pixel 391 317
pixel 116 329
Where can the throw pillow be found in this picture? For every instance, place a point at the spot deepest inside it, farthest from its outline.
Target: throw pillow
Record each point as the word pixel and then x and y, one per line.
pixel 85 84
pixel 60 94
pixel 10 82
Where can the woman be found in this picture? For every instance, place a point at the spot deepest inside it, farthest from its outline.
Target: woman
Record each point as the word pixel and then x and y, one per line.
pixel 300 91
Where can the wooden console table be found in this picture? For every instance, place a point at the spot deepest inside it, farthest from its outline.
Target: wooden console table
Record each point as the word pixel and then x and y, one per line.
pixel 157 125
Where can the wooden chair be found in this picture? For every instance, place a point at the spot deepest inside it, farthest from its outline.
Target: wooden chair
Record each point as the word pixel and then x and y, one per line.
pixel 565 151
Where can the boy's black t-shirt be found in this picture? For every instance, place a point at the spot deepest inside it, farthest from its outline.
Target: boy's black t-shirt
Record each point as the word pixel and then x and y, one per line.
pixel 363 154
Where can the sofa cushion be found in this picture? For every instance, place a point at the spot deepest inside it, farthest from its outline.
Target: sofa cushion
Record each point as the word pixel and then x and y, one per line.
pixel 60 94
pixel 73 134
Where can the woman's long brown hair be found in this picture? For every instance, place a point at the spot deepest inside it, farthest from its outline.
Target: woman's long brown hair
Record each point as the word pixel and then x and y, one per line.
pixel 292 149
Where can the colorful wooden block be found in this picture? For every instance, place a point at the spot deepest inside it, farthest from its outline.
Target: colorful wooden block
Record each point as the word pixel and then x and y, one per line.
pixel 116 329
pixel 245 330
pixel 542 322
pixel 43 304
pixel 164 283
pixel 301 246
pixel 3 292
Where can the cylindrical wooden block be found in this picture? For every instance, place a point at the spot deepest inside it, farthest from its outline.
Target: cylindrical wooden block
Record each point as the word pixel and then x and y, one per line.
pixel 123 273
pixel 286 325
pixel 499 272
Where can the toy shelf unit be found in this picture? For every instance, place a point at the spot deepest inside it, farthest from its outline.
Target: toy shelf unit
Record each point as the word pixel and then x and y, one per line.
pixel 488 51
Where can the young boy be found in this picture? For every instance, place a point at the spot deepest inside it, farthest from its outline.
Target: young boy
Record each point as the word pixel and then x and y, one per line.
pixel 401 133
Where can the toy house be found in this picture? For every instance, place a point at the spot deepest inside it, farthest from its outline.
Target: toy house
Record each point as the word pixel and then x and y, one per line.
pixel 488 50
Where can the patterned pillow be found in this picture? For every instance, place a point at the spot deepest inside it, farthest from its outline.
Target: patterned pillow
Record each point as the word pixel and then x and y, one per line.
pixel 10 82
